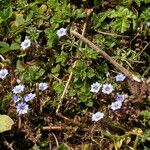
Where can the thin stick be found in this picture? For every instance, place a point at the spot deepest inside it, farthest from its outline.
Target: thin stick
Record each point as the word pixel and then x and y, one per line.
pixel 52 128
pixel 112 34
pixel 144 48
pixel 67 85
pixel 61 100
pixel 55 139
pixel 3 59
pixel 64 128
pixel 64 92
pixel 19 122
pixel 105 55
pixel 9 145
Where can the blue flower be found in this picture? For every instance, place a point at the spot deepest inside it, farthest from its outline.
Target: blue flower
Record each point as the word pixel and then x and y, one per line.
pixel 107 88
pixel 120 97
pixel 3 73
pixel 116 105
pixel 95 87
pixel 61 32
pixel 120 77
pixel 16 98
pixel 18 89
pixel 29 97
pixel 22 108
pixel 43 86
pixel 26 43
pixel 97 116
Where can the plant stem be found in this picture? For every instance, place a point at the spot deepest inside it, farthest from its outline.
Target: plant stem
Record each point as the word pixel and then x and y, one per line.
pixel 113 34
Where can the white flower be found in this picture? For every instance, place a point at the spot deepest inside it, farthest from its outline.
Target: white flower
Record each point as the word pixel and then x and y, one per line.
pixel 16 98
pixel 120 77
pixel 61 32
pixel 120 97
pixel 107 88
pixel 43 86
pixel 18 89
pixel 116 105
pixel 97 116
pixel 26 43
pixel 3 73
pixel 22 108
pixel 95 87
pixel 29 97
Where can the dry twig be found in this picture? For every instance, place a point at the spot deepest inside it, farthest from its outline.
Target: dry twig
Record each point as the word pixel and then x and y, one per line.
pixel 68 82
pixel 113 34
pixel 105 55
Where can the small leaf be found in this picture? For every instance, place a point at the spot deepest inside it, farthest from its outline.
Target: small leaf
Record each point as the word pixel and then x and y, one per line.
pixel 58 87
pixel 5 101
pixel 120 24
pixel 35 147
pixel 55 70
pixel 4 47
pixel 15 46
pixel 99 19
pixel 145 14
pixel 51 36
pixel 5 123
pixel 89 53
pixel 62 58
pixel 63 147
pixel 6 13
pixel 145 114
pixel 19 20
pixel 20 66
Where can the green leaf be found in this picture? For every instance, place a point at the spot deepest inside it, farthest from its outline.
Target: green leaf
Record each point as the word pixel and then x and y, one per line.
pixel 62 13
pixel 146 136
pixel 145 114
pixel 63 147
pixel 19 20
pixel 4 101
pixel 138 2
pixel 52 4
pixel 20 66
pixel 34 33
pixel 120 25
pixel 15 46
pixel 62 58
pixel 78 13
pixel 122 12
pixel 36 72
pixel 4 47
pixel 72 92
pixel 145 15
pixel 80 71
pixel 58 87
pixel 6 13
pixel 55 70
pixel 31 73
pixel 83 93
pixel 89 53
pixel 90 73
pixel 99 19
pixel 5 123
pixel 35 147
pixel 51 36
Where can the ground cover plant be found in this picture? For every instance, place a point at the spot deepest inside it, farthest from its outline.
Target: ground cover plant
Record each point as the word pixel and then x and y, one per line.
pixel 74 75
